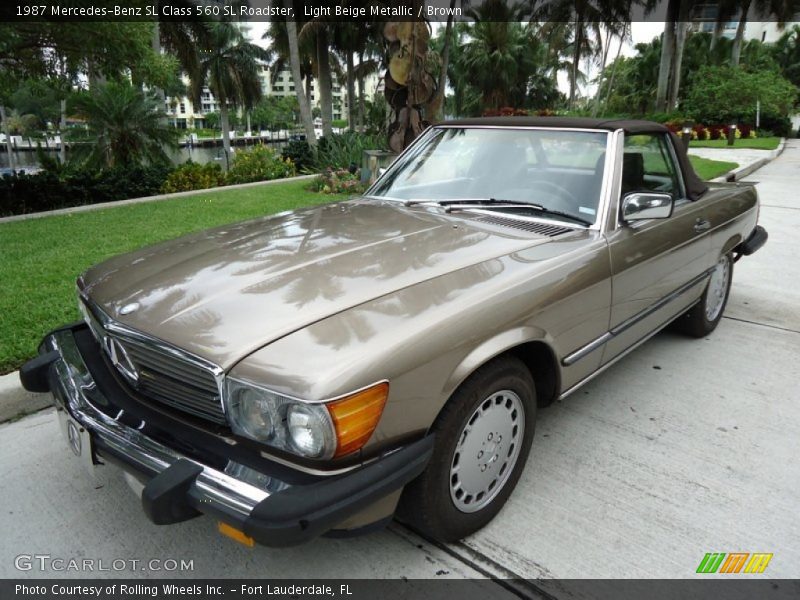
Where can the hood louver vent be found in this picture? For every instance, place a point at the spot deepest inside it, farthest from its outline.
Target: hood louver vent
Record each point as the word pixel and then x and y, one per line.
pixel 546 229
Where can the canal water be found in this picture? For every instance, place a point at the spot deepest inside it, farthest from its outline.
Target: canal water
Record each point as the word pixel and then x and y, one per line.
pixel 201 155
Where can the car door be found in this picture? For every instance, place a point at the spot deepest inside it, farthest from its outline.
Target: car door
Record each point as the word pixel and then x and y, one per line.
pixel 656 264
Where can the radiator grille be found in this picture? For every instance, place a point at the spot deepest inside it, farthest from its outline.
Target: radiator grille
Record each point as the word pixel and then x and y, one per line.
pixel 173 381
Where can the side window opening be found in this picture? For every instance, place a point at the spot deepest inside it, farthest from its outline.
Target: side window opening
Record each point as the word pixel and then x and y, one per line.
pixel 649 166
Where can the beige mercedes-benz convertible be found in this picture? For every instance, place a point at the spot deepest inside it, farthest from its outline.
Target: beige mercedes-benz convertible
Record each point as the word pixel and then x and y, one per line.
pixel 321 370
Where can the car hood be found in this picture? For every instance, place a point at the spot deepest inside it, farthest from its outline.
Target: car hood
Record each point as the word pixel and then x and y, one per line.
pixel 223 293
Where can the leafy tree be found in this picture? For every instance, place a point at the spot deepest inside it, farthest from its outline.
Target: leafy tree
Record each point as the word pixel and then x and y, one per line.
pixel 275 112
pixel 729 94
pixel 59 52
pixel 125 124
pixel 36 97
pixel 635 84
pixel 20 124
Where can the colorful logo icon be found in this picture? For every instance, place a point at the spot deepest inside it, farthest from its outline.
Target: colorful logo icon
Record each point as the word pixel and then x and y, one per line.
pixel 734 562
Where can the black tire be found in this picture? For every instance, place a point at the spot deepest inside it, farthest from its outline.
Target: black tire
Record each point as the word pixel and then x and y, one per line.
pixel 696 322
pixel 426 503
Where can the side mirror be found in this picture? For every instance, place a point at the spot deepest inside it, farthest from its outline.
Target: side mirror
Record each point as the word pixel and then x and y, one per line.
pixel 638 206
pixel 381 171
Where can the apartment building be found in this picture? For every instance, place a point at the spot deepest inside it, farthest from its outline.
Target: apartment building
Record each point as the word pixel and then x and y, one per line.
pixel 704 19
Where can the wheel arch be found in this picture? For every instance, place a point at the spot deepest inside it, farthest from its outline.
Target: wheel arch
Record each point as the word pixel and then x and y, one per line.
pixel 530 345
pixel 731 243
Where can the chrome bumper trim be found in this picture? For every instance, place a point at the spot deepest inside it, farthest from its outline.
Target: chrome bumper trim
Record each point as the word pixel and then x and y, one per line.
pixel 212 490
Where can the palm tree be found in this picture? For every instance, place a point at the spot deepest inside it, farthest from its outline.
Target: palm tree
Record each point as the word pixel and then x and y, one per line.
pixel 283 36
pixel 127 125
pixel 624 35
pixel 667 53
pixel 302 98
pixel 349 39
pixel 229 65
pixel 498 55
pixel 587 17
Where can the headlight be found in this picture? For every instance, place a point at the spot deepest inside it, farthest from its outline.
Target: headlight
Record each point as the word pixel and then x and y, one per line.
pixel 310 429
pixel 322 430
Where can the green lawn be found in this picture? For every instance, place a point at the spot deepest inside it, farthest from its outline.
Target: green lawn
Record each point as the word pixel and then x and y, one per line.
pixel 709 169
pixel 43 257
pixel 765 143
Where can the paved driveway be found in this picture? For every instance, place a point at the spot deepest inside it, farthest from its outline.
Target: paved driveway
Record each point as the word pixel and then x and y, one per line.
pixel 682 448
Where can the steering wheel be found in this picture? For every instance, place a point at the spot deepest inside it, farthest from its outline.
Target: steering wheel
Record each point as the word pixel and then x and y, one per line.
pixel 563 193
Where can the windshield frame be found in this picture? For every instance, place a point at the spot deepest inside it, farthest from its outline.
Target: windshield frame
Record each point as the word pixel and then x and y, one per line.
pixel 604 201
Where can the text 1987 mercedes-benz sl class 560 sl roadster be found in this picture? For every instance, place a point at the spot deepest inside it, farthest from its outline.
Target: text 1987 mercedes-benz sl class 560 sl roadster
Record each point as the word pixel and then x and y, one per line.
pixel 321 370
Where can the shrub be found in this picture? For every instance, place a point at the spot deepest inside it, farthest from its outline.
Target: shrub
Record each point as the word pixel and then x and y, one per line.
pixel 778 125
pixel 715 132
pixel 339 181
pixel 700 132
pixel 49 190
pixel 340 151
pixel 259 164
pixel 193 176
pixel 136 182
pixel 299 152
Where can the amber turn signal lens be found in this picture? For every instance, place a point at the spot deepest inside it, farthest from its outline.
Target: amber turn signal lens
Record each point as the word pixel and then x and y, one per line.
pixel 356 416
pixel 235 534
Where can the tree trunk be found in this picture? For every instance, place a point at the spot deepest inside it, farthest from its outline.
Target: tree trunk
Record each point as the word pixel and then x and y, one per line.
pixel 351 92
pixel 442 88
pixel 226 132
pixel 62 147
pixel 736 48
pixel 361 103
pixel 614 67
pixel 718 26
pixel 324 82
pixel 677 58
pixel 606 47
pixel 576 58
pixel 155 43
pixel 7 131
pixel 667 51
pixel 302 99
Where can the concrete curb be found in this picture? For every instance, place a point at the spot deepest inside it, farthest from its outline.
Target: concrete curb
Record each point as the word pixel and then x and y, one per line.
pixel 15 402
pixel 741 172
pixel 159 197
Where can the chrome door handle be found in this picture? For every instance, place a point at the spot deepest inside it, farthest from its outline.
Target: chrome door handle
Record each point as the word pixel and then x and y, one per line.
pixel 702 225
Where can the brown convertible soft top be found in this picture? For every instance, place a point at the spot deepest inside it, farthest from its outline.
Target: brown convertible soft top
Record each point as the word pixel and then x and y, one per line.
pixel 695 187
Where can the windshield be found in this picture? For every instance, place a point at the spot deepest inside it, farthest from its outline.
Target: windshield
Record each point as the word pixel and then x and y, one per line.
pixel 557 170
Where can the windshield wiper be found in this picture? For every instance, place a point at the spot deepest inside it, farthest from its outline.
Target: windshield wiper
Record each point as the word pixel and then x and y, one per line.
pixel 479 202
pixel 566 215
pixel 458 204
pixel 492 205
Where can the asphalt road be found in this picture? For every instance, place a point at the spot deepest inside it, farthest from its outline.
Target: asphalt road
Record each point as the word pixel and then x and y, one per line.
pixel 684 447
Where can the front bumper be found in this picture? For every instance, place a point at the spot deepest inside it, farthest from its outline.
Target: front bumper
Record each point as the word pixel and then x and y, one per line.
pixel 179 486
